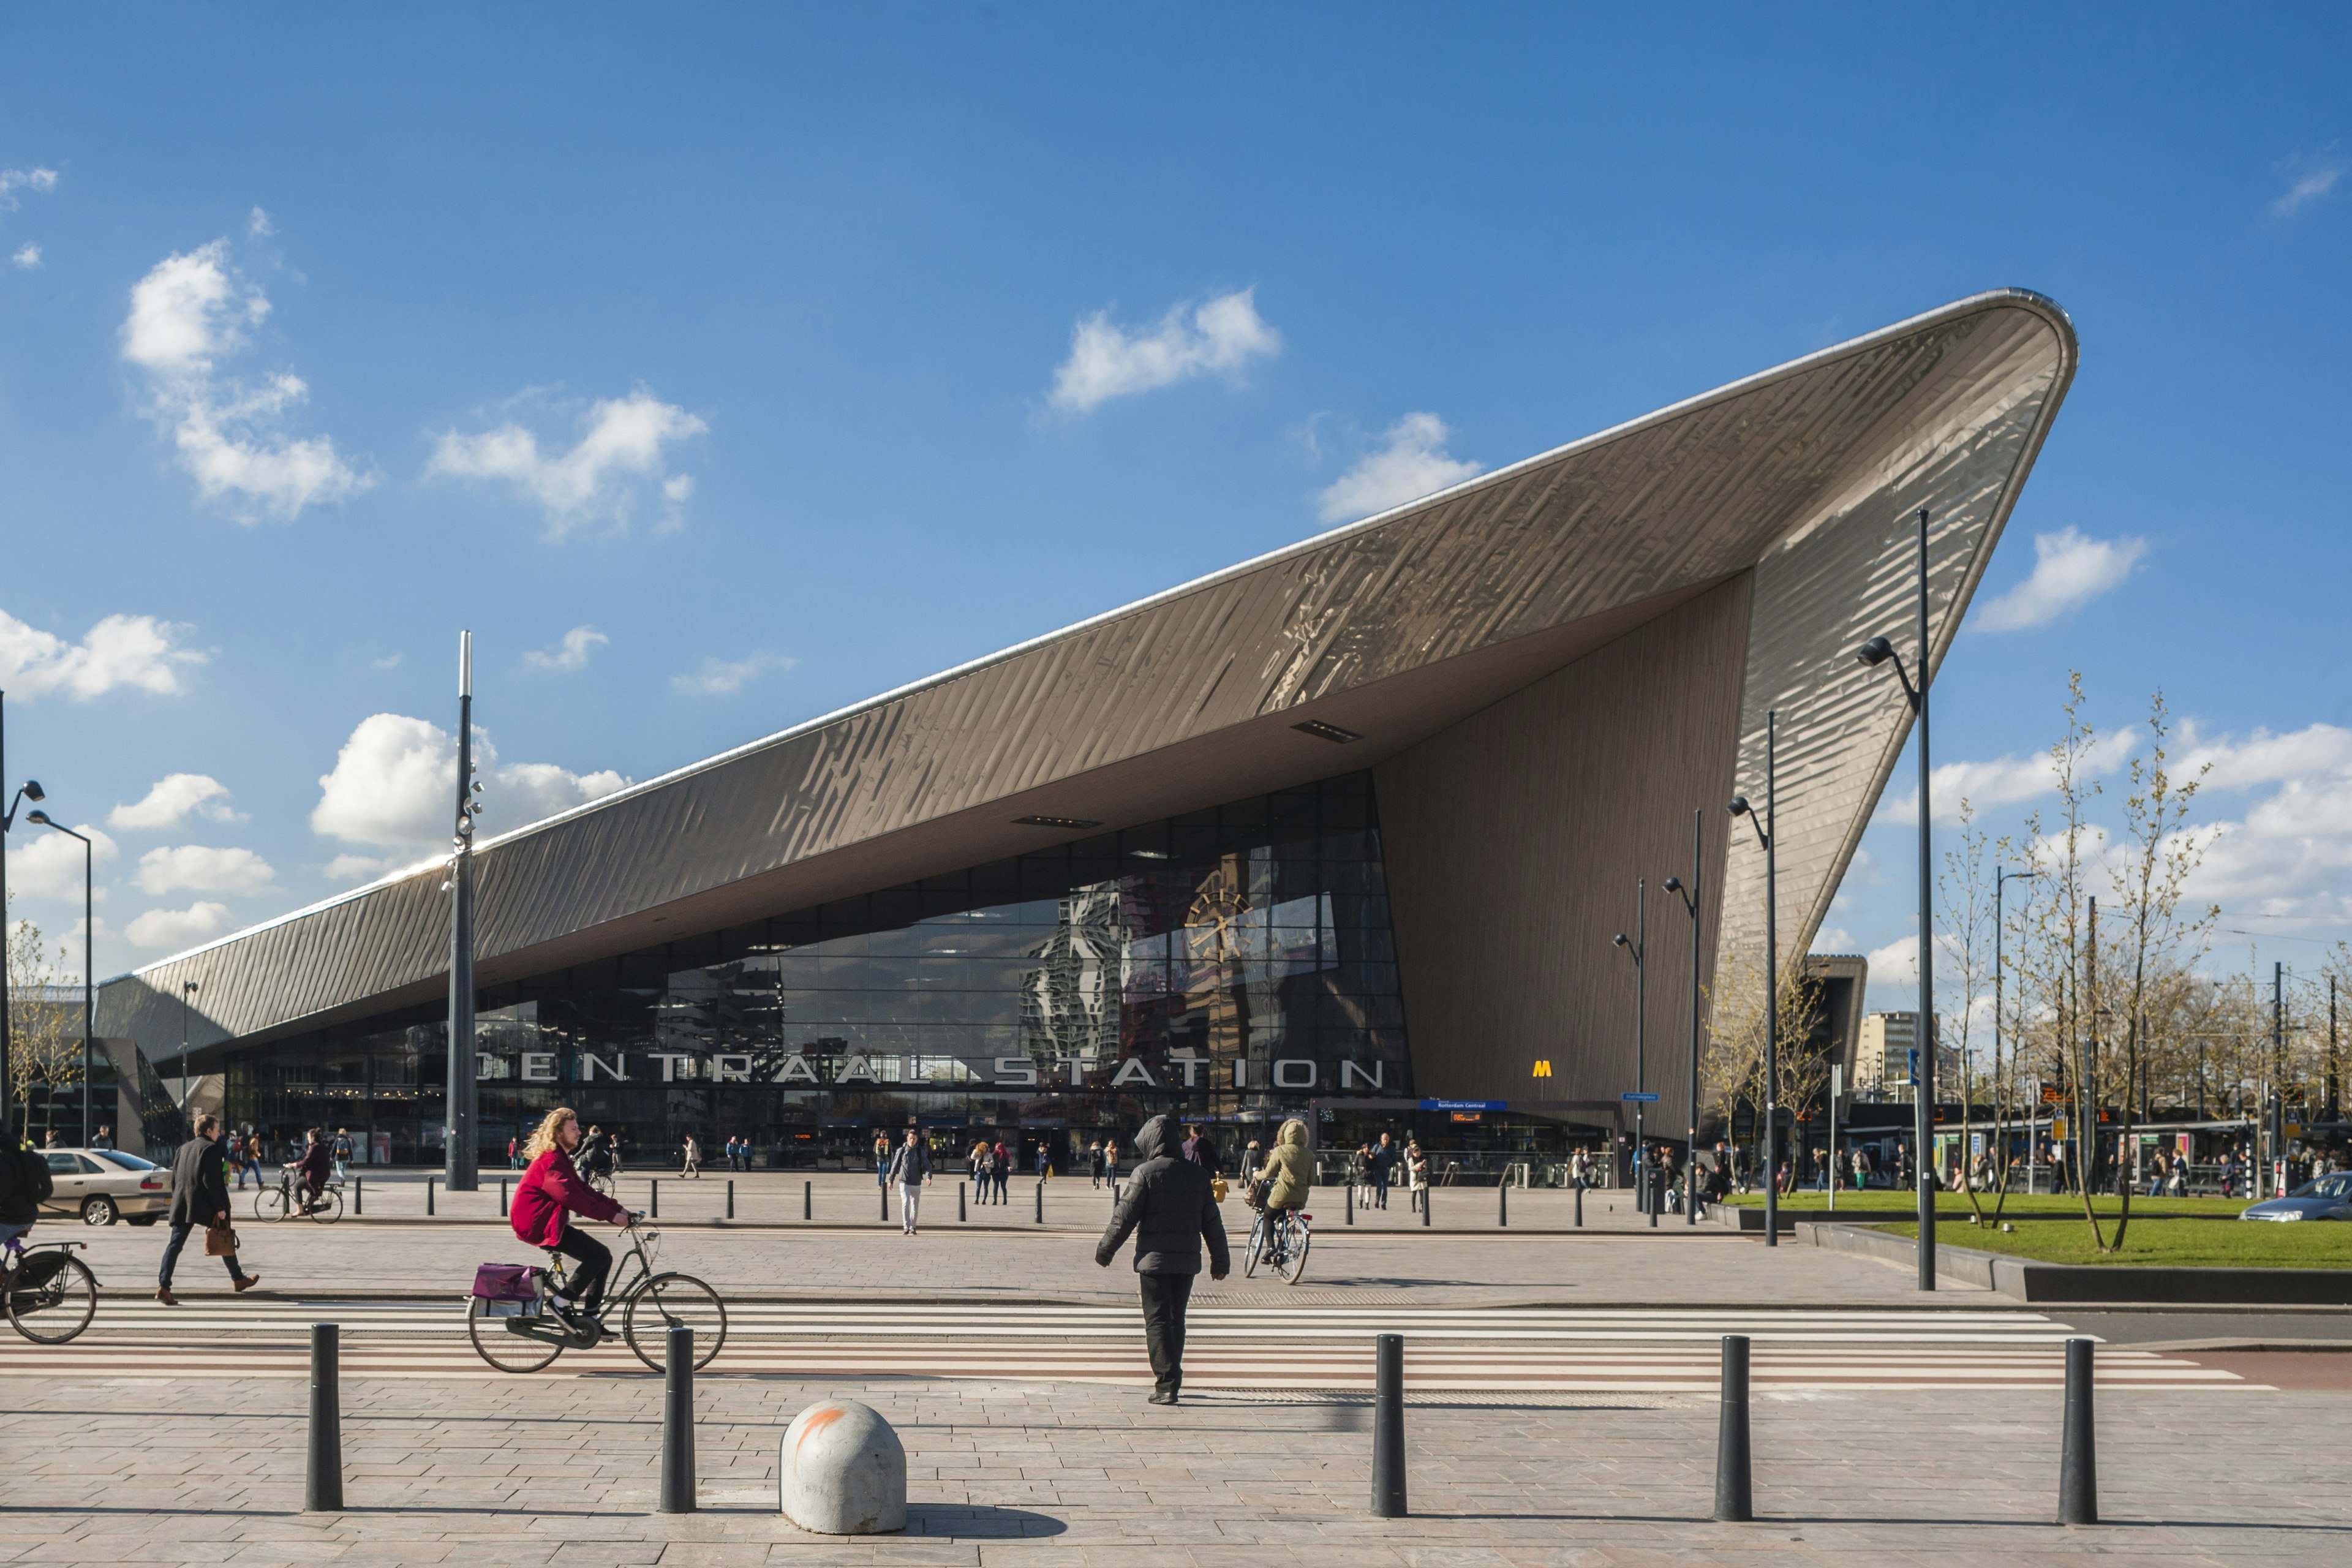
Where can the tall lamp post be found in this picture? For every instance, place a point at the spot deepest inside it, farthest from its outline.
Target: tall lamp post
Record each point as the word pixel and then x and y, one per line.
pixel 1690 902
pixel 1641 999
pixel 30 790
pixel 1874 653
pixel 187 988
pixel 89 911
pixel 1764 835
pixel 461 1153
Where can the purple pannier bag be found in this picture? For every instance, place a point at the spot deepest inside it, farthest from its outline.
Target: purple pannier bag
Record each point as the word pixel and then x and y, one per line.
pixel 506 1282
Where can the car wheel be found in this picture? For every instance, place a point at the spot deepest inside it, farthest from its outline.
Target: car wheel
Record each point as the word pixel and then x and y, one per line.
pixel 99 1210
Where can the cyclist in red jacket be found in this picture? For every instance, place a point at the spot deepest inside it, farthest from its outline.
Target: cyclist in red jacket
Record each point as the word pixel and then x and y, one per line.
pixel 551 1192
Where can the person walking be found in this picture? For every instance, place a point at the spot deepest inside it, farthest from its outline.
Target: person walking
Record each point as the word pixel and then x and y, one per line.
pixel 1170 1211
pixel 1003 1172
pixel 691 1159
pixel 340 1150
pixel 881 1160
pixel 199 1200
pixel 1382 1165
pixel 551 1192
pixel 910 1168
pixel 1095 1164
pixel 105 1139
pixel 1045 1160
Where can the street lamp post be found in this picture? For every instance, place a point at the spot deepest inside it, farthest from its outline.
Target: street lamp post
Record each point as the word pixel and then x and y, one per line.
pixel 187 988
pixel 1640 940
pixel 2000 875
pixel 88 911
pixel 1875 652
pixel 1764 835
pixel 1690 902
pixel 461 1153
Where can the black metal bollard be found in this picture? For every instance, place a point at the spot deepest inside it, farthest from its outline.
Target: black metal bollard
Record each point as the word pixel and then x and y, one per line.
pixel 885 1202
pixel 1503 1202
pixel 322 1484
pixel 502 1197
pixel 1351 1203
pixel 1424 1206
pixel 1580 1207
pixel 2078 1459
pixel 678 1421
pixel 731 1197
pixel 359 1197
pixel 808 1200
pixel 1040 1203
pixel 1388 1427
pixel 1734 1497
pixel 959 1203
pixel 653 1197
pixel 428 1195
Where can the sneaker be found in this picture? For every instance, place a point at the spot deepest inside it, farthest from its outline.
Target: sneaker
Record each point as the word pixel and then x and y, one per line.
pixel 247 1283
pixel 165 1295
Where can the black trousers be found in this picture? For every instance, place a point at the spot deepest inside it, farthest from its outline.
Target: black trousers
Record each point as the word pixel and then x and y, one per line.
pixel 595 1260
pixel 1164 1297
pixel 171 1256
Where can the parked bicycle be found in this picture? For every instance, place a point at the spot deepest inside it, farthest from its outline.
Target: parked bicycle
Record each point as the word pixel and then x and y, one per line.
pixel 527 1334
pixel 52 1295
pixel 1279 1239
pixel 274 1204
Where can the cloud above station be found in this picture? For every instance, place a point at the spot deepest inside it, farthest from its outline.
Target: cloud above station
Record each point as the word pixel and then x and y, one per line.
pixel 2070 569
pixel 141 653
pixel 172 800
pixel 1410 462
pixel 623 455
pixel 394 786
pixel 1219 337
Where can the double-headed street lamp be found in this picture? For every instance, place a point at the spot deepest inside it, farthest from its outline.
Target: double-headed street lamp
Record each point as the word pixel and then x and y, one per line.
pixel 1764 834
pixel 1690 902
pixel 187 988
pixel 1634 945
pixel 1874 653
pixel 89 913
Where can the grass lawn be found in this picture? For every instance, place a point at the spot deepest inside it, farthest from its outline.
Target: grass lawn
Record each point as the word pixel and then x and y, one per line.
pixel 2041 1206
pixel 2178 1241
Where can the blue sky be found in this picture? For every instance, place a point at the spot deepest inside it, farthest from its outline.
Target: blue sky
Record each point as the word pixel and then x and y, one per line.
pixel 775 357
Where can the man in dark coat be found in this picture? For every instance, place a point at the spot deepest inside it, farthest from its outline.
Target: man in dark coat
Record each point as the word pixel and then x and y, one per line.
pixel 199 1200
pixel 1169 1207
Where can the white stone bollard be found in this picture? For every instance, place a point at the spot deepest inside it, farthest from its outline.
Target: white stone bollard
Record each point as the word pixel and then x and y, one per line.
pixel 845 1471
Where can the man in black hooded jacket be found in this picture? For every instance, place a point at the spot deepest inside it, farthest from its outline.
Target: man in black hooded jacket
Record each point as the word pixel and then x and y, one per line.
pixel 1169 1207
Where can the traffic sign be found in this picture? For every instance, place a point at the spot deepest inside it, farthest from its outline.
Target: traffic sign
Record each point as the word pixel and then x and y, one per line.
pixel 1638 1097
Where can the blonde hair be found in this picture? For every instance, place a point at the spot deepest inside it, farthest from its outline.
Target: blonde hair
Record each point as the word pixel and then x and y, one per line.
pixel 544 1138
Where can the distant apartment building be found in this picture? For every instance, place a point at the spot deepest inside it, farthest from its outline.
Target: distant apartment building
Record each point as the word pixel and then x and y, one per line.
pixel 1882 1064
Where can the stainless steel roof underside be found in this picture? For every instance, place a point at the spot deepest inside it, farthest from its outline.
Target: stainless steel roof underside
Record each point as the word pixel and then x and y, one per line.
pixel 1394 627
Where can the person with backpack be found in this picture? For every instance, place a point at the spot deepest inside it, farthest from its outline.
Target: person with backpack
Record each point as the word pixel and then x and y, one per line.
pixel 24 1185
pixel 199 1200
pixel 1170 1209
pixel 910 1168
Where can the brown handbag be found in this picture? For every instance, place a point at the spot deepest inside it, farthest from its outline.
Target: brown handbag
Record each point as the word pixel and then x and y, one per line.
pixel 220 1241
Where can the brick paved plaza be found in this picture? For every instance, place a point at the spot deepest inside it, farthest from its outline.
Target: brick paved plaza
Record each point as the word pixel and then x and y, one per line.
pixel 207 1466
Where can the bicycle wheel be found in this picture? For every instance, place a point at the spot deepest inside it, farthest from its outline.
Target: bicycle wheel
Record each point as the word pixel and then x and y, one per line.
pixel 330 1206
pixel 271 1205
pixel 514 1344
pixel 1255 1247
pixel 1294 1252
pixel 671 1300
pixel 58 1307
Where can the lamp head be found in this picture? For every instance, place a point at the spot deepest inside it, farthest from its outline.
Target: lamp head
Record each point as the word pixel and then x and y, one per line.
pixel 1674 884
pixel 1875 652
pixel 1739 806
pixel 1619 940
pixel 33 789
pixel 39 818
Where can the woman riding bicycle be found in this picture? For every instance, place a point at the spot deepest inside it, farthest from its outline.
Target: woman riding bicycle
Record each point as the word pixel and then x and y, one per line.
pixel 1289 1171
pixel 550 1191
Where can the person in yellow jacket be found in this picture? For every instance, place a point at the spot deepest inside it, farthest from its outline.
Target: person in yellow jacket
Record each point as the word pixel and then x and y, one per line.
pixel 1289 1170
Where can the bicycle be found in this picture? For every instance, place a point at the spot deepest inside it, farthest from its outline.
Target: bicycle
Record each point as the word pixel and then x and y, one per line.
pixel 1281 1245
pixel 527 1336
pixel 274 1204
pixel 52 1294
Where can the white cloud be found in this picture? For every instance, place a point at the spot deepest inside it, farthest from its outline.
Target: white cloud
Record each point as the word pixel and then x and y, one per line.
pixel 389 661
pixel 721 677
pixel 1219 337
pixel 2006 780
pixel 394 784
pixel 188 313
pixel 14 180
pixel 623 442
pixel 170 800
pixel 173 929
pixel 1411 464
pixel 257 224
pixel 26 256
pixel 2290 855
pixel 2316 186
pixel 120 651
pixel 49 866
pixel 202 869
pixel 2069 569
pixel 1896 964
pixel 570 653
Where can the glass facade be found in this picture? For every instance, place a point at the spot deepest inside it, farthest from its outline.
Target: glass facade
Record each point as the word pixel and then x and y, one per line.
pixel 1233 965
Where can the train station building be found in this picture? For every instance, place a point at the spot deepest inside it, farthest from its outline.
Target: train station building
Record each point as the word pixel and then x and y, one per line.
pixel 1345 831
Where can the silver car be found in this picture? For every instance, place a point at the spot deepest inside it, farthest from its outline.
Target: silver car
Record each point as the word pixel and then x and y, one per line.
pixel 2329 1197
pixel 103 1185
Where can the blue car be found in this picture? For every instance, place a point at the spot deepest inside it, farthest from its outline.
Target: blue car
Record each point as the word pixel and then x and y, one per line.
pixel 2329 1197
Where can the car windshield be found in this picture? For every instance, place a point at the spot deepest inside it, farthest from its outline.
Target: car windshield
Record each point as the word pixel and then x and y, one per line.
pixel 128 1161
pixel 2333 1186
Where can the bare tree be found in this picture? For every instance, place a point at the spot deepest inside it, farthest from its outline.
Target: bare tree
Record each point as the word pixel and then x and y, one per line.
pixel 1967 892
pixel 44 1032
